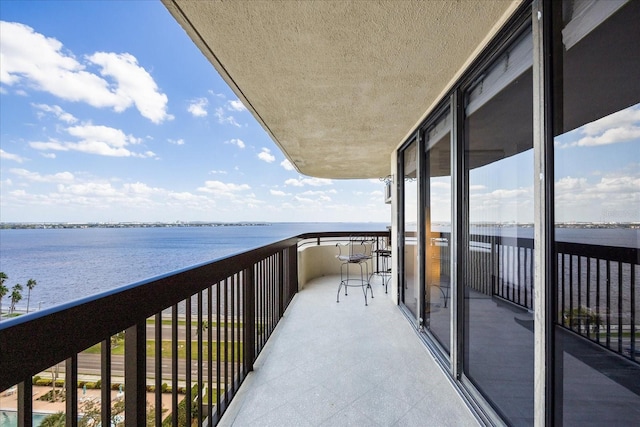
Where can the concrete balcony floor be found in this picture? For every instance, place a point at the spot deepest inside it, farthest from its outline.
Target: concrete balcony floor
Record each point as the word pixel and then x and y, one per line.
pixel 335 364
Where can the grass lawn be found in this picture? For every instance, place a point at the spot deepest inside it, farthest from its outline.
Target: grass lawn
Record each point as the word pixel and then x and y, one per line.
pixel 182 350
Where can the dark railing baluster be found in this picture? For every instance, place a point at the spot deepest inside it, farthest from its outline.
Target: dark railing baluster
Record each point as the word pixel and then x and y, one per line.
pixel 200 359
pixel 632 309
pixel 233 334
pixel 158 367
pixel 226 341
pixel 71 398
pixel 105 379
pixel 571 313
pixel 529 274
pixel 579 309
pixel 620 308
pixel 174 365
pixel 210 402
pixel 135 349
pixel 608 284
pixel 598 281
pixel 521 280
pixel 188 397
pixel 562 274
pixel 588 296
pixel 249 323
pixel 218 355
pixel 25 403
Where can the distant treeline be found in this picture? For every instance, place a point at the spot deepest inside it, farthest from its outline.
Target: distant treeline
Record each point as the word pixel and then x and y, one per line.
pixel 34 226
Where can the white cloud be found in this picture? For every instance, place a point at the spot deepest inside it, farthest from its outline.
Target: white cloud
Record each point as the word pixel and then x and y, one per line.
pixel 614 197
pixel 197 107
pixel 314 182
pixel 57 111
pixel 303 199
pixel 441 185
pixel 222 188
pixel 569 184
pixel 287 165
pixel 314 196
pixel 61 177
pixel 224 119
pixel 10 156
pixel 294 182
pixel 278 193
pixel 236 105
pixel 32 61
pixel 218 172
pixel 315 193
pixel 217 95
pixel 619 127
pixel 141 188
pixel 509 194
pixel 237 142
pixel 623 118
pixel 610 136
pixel 266 156
pixel 100 140
pixel 176 141
pixel 133 84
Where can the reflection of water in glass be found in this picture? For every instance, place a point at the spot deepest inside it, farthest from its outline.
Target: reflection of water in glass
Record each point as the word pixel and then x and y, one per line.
pixel 10 419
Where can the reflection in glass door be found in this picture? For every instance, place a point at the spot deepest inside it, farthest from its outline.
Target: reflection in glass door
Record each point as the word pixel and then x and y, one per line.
pixel 438 230
pixel 498 240
pixel 597 210
pixel 409 289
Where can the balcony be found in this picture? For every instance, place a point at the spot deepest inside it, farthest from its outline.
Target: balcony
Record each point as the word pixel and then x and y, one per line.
pixel 270 345
pixel 325 362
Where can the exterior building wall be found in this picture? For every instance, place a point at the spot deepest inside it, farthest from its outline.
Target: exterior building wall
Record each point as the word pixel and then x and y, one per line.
pixel 544 194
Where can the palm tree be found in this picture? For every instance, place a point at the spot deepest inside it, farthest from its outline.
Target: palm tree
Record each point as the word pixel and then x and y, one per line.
pixel 31 283
pixel 16 295
pixel 3 289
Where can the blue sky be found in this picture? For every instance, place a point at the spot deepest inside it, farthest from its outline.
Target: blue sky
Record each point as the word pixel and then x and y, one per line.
pixel 110 113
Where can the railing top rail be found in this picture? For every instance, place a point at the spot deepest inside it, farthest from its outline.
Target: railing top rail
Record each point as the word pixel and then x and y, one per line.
pixel 611 253
pixel 344 234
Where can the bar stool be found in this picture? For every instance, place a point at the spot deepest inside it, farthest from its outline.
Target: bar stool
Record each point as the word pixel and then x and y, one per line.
pixel 357 251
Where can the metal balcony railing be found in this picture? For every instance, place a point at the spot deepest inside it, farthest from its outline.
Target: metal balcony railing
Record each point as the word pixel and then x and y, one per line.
pixel 192 334
pixel 597 285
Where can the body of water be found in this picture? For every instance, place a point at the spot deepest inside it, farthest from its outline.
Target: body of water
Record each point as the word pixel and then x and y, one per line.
pixel 69 264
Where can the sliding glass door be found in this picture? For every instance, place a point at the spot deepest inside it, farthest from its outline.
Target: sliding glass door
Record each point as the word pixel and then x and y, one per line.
pixel 597 211
pixel 498 240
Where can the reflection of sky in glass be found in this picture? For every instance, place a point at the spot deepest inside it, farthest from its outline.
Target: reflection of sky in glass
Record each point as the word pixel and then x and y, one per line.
pixel 502 191
pixel 597 175
pixel 597 170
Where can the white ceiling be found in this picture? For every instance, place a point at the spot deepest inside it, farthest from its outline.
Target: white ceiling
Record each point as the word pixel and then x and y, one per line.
pixel 339 84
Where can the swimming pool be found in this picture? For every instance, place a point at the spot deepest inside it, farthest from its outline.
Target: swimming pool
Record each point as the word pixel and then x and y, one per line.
pixel 10 419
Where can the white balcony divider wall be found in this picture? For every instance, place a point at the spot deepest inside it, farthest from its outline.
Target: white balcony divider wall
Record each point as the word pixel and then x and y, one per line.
pixel 529 307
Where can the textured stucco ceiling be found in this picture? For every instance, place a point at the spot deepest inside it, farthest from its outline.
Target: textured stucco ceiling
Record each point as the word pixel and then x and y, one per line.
pixel 339 84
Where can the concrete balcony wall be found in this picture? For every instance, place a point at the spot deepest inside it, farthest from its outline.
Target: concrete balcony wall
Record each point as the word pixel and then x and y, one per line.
pixel 319 261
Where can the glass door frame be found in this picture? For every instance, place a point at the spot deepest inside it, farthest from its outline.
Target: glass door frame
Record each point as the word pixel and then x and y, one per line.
pixel 444 108
pixel 418 317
